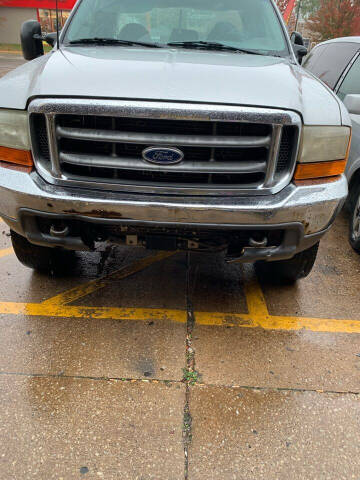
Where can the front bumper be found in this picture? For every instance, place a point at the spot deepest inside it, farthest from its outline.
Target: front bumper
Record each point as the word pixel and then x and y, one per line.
pixel 306 211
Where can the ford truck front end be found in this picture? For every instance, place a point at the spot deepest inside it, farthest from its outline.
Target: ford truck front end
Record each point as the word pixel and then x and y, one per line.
pixel 190 145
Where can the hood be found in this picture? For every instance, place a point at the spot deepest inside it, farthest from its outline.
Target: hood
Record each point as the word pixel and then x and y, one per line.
pixel 172 75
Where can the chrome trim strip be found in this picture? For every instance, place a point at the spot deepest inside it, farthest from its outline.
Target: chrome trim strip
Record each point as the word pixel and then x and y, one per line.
pixel 163 110
pixel 124 163
pixel 53 145
pixel 162 139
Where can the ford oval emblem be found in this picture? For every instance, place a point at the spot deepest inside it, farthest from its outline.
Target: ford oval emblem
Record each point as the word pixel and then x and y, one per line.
pixel 163 156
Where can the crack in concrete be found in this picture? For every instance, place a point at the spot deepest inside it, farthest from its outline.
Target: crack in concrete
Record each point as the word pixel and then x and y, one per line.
pixel 190 373
pixel 170 382
pixel 89 377
pixel 281 389
pixel 187 420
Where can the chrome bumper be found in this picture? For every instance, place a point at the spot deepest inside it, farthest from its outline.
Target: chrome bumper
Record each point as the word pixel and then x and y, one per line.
pixel 310 208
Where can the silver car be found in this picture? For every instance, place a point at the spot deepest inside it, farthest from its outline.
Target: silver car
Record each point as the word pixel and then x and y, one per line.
pixel 337 63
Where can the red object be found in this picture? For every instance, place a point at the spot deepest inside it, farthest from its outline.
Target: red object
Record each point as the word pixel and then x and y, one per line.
pixel 288 10
pixel 63 4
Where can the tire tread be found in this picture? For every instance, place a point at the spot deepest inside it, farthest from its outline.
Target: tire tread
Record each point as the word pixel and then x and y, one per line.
pixel 42 259
pixel 289 271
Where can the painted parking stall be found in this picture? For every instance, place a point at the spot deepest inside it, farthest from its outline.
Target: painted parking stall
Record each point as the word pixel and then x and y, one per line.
pixel 222 371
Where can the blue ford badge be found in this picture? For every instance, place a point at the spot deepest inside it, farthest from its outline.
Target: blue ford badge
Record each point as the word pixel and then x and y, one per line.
pixel 163 156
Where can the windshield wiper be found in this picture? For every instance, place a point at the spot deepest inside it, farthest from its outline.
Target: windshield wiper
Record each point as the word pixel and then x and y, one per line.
pixel 111 41
pixel 212 46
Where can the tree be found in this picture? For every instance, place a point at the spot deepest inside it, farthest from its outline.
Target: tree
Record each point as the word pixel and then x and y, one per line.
pixel 335 18
pixel 309 7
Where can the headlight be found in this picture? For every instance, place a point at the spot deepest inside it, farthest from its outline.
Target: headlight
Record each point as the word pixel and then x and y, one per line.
pixel 323 152
pixel 15 137
pixel 324 144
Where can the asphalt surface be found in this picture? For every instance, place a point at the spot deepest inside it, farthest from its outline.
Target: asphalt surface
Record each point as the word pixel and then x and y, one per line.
pixel 145 365
pixel 8 62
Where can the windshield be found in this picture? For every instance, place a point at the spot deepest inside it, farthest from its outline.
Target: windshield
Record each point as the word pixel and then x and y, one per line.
pixel 244 24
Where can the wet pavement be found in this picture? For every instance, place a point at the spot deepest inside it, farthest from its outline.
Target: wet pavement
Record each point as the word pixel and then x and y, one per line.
pixel 9 61
pixel 147 365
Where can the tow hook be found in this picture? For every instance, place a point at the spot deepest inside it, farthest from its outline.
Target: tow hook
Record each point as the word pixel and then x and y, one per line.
pixel 258 243
pixel 61 231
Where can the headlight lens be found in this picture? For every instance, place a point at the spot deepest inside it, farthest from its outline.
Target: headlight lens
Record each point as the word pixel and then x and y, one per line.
pixel 323 153
pixel 324 144
pixel 14 129
pixel 15 138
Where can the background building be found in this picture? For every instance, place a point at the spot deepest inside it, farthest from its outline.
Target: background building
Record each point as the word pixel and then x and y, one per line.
pixel 14 12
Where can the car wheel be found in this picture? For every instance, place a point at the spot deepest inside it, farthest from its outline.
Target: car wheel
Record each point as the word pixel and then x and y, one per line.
pixel 48 260
pixel 289 271
pixel 354 227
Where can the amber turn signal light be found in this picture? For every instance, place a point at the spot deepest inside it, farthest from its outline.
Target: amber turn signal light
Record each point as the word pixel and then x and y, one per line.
pixel 19 157
pixel 308 171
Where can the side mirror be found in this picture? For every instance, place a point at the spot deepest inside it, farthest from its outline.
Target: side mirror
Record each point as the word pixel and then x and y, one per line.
pixel 51 38
pixel 352 103
pixel 31 40
pixel 297 39
pixel 300 52
pixel 298 46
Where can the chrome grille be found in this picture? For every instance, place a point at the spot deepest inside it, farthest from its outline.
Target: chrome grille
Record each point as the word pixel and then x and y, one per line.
pixel 226 149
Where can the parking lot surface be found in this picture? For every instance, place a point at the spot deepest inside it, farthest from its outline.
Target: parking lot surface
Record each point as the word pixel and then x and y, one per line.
pixel 9 61
pixel 157 365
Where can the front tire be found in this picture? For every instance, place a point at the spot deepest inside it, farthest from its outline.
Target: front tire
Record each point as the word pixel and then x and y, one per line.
pixel 289 271
pixel 48 260
pixel 354 227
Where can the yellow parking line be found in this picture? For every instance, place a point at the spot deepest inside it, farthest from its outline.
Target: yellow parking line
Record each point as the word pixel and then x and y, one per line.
pixel 6 251
pixel 90 287
pixel 269 322
pixel 69 311
pixel 255 298
pixel 258 316
pixel 275 322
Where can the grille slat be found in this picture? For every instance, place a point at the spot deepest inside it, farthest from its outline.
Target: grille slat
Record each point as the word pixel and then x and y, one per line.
pixel 244 155
pixel 138 164
pixel 162 139
pixel 182 179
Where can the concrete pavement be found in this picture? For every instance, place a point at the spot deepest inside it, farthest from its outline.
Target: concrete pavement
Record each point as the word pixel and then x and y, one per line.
pixel 256 403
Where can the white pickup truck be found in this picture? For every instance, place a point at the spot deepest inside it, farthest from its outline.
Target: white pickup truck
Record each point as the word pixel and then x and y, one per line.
pixel 173 125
